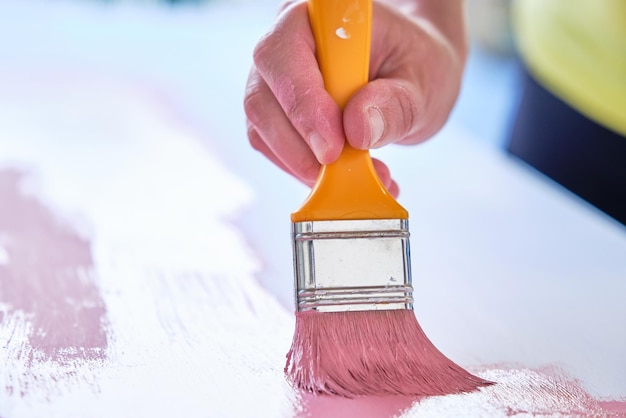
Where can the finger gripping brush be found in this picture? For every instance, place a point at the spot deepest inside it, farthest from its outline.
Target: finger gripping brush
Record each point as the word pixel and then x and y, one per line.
pixel 356 333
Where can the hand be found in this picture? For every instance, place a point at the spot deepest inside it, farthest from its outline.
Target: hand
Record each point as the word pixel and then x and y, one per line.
pixel 416 66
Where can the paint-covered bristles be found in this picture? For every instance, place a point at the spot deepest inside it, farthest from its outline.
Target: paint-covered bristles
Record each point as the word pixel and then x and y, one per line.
pixel 371 353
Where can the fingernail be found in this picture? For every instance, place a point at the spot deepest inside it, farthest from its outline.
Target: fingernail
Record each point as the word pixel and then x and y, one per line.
pixel 318 145
pixel 377 126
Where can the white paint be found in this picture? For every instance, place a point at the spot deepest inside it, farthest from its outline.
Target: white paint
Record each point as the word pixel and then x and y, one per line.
pixel 4 256
pixel 147 157
pixel 521 392
pixel 184 309
pixel 342 33
pixel 507 248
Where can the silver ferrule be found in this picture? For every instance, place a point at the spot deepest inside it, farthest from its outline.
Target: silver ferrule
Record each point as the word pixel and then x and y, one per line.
pixel 356 265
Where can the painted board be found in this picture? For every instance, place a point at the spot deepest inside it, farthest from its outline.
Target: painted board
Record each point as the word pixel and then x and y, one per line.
pixel 145 266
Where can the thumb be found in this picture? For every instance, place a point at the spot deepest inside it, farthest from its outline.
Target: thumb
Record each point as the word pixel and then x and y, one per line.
pixel 384 111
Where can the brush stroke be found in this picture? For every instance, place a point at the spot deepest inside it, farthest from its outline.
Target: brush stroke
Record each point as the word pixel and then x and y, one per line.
pixel 547 391
pixel 52 310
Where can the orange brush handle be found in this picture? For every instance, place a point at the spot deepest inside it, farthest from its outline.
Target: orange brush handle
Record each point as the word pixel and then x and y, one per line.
pixel 349 188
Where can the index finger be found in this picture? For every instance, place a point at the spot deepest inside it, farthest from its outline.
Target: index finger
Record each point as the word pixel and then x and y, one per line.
pixel 285 58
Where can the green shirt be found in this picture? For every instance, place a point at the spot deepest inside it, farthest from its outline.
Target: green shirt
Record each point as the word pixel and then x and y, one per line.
pixel 577 50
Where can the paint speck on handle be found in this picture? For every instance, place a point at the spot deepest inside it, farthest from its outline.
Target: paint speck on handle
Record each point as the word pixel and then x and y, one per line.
pixel 342 33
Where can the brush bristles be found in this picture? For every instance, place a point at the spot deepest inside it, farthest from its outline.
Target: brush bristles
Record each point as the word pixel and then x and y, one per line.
pixel 371 353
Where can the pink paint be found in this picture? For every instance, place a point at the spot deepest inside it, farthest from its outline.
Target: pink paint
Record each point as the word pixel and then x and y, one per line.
pixel 371 353
pixel 189 335
pixel 47 277
pixel 315 405
pixel 519 391
pixel 616 407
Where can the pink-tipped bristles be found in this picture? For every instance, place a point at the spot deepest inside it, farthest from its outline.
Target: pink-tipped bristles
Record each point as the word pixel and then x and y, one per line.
pixel 371 353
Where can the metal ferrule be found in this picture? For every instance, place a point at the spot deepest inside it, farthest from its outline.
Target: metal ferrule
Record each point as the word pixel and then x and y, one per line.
pixel 352 265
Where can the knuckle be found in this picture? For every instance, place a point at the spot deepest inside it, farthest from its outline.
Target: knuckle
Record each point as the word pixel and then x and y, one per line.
pixel 253 102
pixel 306 109
pixel 308 167
pixel 255 139
pixel 264 48
pixel 382 169
pixel 299 106
pixel 383 174
pixel 287 4
pixel 408 111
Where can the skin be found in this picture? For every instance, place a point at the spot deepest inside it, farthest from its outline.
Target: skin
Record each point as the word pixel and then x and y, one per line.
pixel 418 53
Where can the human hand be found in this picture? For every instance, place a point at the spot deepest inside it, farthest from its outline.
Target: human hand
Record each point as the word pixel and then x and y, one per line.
pixel 416 66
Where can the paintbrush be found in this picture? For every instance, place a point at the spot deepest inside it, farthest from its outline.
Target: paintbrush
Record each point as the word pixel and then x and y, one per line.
pixel 356 333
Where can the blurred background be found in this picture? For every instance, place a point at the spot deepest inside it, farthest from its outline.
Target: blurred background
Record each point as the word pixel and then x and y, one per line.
pixel 190 60
pixel 178 47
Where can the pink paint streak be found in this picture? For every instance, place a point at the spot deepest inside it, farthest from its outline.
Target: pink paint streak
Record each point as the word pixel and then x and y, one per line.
pixel 616 407
pixel 48 276
pixel 519 391
pixel 371 353
pixel 315 405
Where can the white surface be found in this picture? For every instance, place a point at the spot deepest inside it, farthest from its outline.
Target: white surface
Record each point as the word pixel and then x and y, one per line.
pixel 129 126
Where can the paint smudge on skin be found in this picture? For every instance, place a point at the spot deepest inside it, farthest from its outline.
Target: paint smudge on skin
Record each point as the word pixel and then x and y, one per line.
pixel 50 306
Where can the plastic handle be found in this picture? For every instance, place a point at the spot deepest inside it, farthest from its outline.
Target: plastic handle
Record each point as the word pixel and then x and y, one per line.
pixel 349 188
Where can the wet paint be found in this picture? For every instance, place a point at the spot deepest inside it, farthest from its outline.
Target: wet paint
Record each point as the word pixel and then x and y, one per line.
pixel 129 292
pixel 48 275
pixel 51 311
pixel 371 353
pixel 518 391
